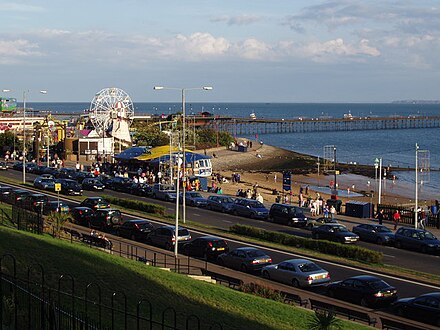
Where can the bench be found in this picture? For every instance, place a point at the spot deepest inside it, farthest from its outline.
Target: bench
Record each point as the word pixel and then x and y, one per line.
pixel 390 324
pixel 290 298
pixel 74 233
pixel 351 314
pixel 97 241
pixel 221 278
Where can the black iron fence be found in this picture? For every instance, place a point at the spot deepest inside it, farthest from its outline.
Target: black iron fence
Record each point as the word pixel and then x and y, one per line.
pixel 28 303
pixel 407 215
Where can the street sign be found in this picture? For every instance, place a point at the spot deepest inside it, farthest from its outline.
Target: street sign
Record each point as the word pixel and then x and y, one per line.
pixel 57 186
pixel 287 181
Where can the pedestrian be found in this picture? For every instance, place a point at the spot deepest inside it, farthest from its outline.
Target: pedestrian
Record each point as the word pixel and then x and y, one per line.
pixel 396 219
pixel 422 219
pixel 77 166
pixel 325 210
pixel 333 211
pixel 380 216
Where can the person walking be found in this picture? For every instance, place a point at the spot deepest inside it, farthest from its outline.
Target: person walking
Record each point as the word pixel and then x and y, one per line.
pixel 396 219
pixel 325 210
pixel 380 216
pixel 333 211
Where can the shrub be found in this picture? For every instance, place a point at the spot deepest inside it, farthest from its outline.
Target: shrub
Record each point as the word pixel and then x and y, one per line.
pixel 137 205
pixel 346 251
pixel 262 291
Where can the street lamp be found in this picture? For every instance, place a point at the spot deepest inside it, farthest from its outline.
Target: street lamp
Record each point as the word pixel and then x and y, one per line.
pixel 183 91
pixel 334 169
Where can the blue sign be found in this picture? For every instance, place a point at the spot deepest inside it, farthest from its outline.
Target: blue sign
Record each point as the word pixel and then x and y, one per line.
pixel 287 181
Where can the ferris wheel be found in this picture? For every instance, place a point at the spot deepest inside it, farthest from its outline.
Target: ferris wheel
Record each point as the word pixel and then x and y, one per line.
pixel 110 105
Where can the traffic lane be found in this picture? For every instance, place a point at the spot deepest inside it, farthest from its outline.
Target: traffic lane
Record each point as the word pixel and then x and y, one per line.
pixel 392 256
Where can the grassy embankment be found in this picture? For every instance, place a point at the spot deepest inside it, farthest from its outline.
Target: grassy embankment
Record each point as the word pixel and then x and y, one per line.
pixel 210 302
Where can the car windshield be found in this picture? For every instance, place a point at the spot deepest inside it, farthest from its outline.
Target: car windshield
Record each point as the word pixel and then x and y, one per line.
pixel 296 211
pixel 383 230
pixel 340 228
pixel 183 232
pixel 195 194
pixel 144 226
pixel 256 205
pixel 219 243
pixel 227 200
pixel 255 253
pixel 426 235
pixel 378 284
pixel 308 267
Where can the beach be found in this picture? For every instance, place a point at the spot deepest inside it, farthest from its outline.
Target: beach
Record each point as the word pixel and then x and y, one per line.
pixel 264 165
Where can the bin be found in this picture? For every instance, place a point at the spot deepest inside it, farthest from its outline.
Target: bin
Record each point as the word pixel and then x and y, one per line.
pixel 358 209
pixel 242 148
pixel 336 203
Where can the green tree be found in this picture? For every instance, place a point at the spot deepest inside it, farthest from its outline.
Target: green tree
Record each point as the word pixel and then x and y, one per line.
pixel 7 140
pixel 207 137
pixel 57 221
pixel 150 136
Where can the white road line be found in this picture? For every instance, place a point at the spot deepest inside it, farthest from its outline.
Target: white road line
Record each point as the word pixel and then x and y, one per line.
pixel 390 256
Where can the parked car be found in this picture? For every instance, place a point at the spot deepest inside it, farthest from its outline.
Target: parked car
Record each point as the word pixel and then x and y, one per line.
pixel 92 184
pixel 66 173
pixel 334 232
pixel 34 202
pixel 287 215
pixel 80 176
pixel 106 219
pixel 165 237
pixel 379 234
pixel 16 196
pixel 120 184
pixel 366 290
pixel 424 308
pixel 3 166
pixel 250 208
pixel 40 169
pixel 69 187
pixel 55 206
pixel 95 203
pixel 220 203
pixel 135 229
pixel 18 166
pixel 206 247
pixel 44 183
pixel 31 167
pixel 82 215
pixel 319 221
pixel 5 192
pixel 194 198
pixel 164 192
pixel 417 239
pixel 297 272
pixel 141 189
pixel 246 259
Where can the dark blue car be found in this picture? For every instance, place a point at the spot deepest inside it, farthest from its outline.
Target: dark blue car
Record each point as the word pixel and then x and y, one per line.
pixel 194 198
pixel 220 203
pixel 250 208
pixel 417 239
pixel 374 233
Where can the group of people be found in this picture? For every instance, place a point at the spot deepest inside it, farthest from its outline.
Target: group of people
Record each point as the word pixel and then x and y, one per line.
pixel 422 217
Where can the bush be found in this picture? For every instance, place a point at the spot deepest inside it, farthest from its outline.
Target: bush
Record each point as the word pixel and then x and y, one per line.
pixel 262 291
pixel 138 205
pixel 337 249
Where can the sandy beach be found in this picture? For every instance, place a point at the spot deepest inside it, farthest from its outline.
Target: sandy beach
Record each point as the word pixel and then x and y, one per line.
pixel 264 164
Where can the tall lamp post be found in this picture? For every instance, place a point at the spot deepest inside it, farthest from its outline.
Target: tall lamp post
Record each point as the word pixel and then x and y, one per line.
pixel 334 169
pixel 183 91
pixel 24 129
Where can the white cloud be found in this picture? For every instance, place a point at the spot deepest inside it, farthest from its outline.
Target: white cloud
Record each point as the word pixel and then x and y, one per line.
pixel 237 20
pixel 12 51
pixel 253 49
pixel 19 7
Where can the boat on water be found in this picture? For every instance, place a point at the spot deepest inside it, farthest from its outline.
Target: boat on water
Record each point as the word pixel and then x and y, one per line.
pixel 348 115
pixel 253 115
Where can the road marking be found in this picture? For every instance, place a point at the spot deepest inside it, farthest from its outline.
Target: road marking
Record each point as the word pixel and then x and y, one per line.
pixel 227 221
pixel 388 255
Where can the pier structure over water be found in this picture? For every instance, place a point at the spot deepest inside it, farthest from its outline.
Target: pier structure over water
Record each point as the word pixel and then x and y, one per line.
pixel 245 126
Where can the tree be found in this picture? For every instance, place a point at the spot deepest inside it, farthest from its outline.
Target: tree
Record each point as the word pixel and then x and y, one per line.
pixel 57 221
pixel 7 141
pixel 150 136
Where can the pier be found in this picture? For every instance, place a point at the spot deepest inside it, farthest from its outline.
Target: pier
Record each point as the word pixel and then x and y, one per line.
pixel 248 126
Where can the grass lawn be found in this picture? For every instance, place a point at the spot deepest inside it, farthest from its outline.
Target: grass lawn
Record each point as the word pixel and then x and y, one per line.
pixel 210 302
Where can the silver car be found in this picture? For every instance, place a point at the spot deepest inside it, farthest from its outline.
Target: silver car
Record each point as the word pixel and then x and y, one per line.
pixel 297 272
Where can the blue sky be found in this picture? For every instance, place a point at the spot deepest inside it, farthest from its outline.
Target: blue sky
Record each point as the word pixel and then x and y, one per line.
pixel 247 50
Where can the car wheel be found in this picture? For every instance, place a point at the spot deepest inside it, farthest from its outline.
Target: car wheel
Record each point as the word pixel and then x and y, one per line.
pixel 209 207
pixel 423 249
pixel 342 240
pixel 235 212
pixel 89 224
pixel 168 246
pixel 330 293
pixel 221 262
pixel 243 268
pixel 133 237
pixel 252 216
pixel 148 241
pixel 399 311
pixel 398 245
pixel 290 223
pixel 266 274
pixel 315 235
pixel 154 196
pixel 364 302
pixel 310 226
pixel 379 241
pixel 295 283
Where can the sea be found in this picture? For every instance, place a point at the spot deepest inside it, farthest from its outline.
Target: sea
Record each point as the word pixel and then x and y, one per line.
pixel 395 147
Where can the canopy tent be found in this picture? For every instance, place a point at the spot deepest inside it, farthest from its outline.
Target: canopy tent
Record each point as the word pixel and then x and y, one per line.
pixel 162 154
pixel 132 153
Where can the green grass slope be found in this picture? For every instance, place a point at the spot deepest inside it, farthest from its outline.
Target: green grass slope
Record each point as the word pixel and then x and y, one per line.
pixel 210 302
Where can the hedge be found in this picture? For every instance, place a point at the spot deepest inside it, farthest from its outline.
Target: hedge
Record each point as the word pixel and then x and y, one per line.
pixel 337 249
pixel 137 205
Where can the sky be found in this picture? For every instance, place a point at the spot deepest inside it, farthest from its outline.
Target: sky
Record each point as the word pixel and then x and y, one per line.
pixel 247 50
